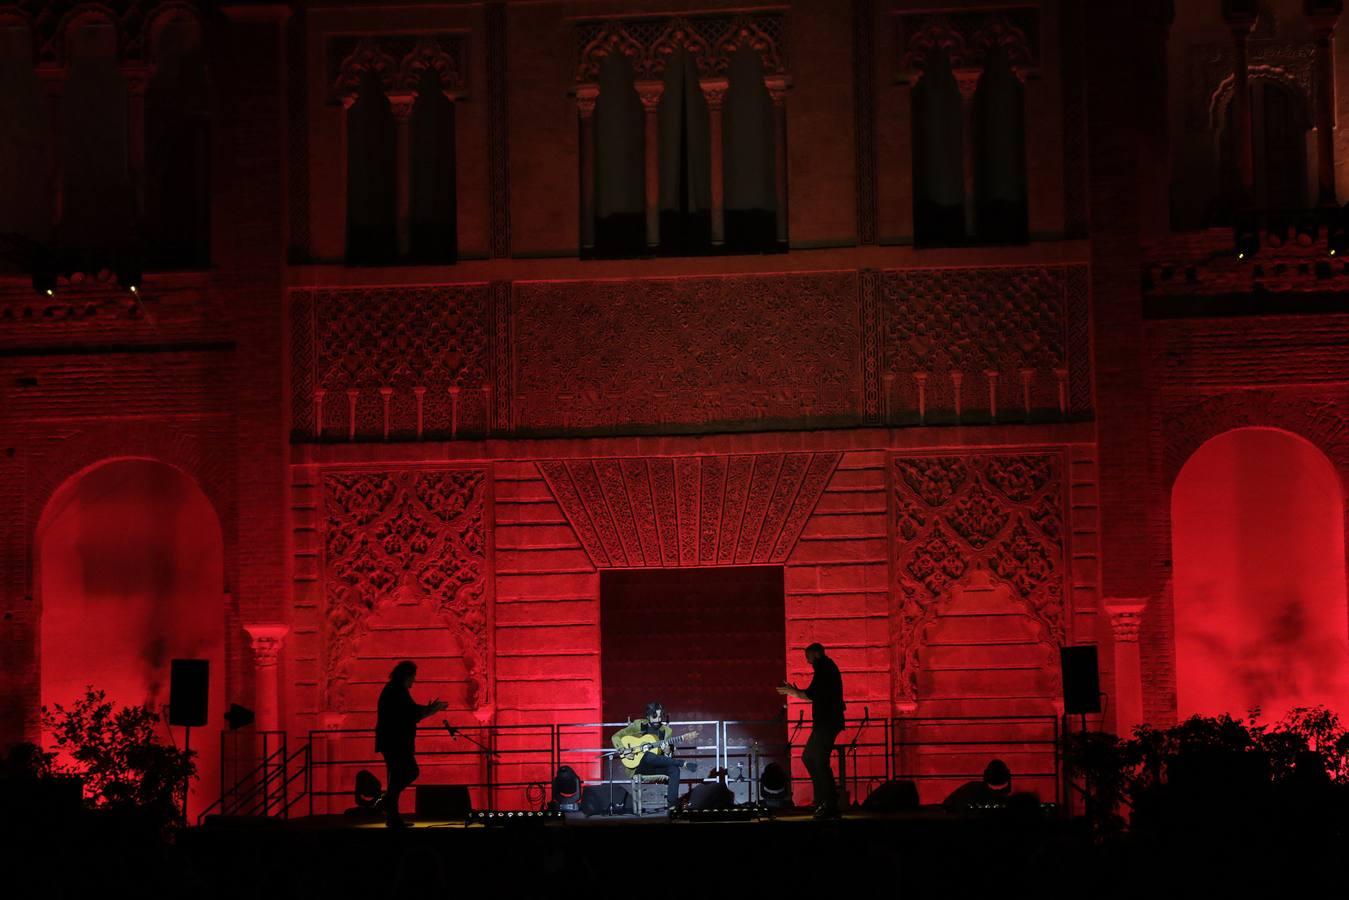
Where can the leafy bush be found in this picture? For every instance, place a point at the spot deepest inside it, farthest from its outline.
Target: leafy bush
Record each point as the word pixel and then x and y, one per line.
pixel 115 752
pixel 1120 775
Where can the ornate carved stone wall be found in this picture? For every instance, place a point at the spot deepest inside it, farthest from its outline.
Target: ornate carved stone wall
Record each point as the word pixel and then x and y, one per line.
pixel 413 537
pixel 420 361
pixel 951 335
pixel 398 61
pixel 677 354
pixel 692 510
pixel 711 41
pixel 1000 513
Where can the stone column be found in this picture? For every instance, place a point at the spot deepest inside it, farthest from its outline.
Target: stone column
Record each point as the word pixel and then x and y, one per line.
pixel 714 90
pixel 968 81
pixel 1323 15
pixel 1240 17
pixel 137 80
pixel 1126 615
pixel 585 114
pixel 267 641
pixel 401 104
pixel 343 163
pixel 650 92
pixel 325 776
pixel 777 90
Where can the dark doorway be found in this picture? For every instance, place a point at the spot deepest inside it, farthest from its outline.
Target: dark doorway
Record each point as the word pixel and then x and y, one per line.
pixel 707 643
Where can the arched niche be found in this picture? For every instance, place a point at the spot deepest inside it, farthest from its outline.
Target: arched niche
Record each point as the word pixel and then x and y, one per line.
pixel 1257 528
pixel 433 205
pixel 130 576
pixel 372 202
pixel 685 160
pixel 938 177
pixel 988 687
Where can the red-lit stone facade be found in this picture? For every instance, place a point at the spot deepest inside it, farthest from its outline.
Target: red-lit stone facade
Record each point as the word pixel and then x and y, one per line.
pixel 962 455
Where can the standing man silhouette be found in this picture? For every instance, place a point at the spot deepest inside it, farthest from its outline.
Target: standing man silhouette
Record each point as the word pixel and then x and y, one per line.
pixel 825 693
pixel 396 735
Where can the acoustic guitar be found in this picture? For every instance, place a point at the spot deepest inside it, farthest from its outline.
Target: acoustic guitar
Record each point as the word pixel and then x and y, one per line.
pixel 635 747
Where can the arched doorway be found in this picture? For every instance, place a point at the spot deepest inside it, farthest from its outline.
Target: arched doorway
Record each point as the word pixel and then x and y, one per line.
pixel 130 566
pixel 1257 520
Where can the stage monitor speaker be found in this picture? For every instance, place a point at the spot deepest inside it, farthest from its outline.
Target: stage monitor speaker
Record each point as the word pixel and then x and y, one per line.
pixel 595 800
pixel 443 801
pixel 711 795
pixel 1081 680
pixel 189 681
pixel 892 796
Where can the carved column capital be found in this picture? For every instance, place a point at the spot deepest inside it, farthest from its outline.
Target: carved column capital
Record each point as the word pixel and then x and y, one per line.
pixel 401 103
pixel 137 77
pixel 1126 615
pixel 650 93
pixel 967 80
pixel 267 640
pixel 777 89
pixel 714 91
pixel 586 97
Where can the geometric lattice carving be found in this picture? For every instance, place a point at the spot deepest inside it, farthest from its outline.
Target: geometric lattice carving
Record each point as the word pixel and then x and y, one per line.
pixel 397 62
pixel 709 40
pixel 1026 324
pixel 411 536
pixel 689 511
pixel 741 352
pixel 997 513
pixel 967 39
pixel 403 350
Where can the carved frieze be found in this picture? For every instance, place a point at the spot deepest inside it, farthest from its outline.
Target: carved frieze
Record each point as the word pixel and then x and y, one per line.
pixel 1001 514
pixel 709 40
pixel 397 62
pixel 1021 330
pixel 748 351
pixel 967 39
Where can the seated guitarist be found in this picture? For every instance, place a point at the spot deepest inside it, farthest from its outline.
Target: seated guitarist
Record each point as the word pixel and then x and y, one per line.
pixel 654 723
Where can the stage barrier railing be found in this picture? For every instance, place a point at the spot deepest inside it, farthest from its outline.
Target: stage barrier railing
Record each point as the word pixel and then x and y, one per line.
pixel 512 766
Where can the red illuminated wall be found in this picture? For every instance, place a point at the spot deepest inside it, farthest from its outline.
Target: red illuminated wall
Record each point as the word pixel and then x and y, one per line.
pixel 131 578
pixel 1261 619
pixel 961 457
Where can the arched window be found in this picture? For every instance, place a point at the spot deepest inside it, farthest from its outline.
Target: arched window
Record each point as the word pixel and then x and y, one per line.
pixel 98 207
pixel 750 177
pixel 1000 154
pixel 1280 133
pixel 620 198
pixel 177 151
pixel 433 214
pixel 372 203
pixel 25 154
pixel 685 161
pixel 938 177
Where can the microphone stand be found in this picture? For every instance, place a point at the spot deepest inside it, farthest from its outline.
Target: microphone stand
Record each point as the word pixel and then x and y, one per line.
pixel 852 747
pixel 456 733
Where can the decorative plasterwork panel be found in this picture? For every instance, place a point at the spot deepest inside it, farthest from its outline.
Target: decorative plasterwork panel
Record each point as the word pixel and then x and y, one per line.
pixel 967 39
pixel 749 351
pixel 397 61
pixel 998 513
pixel 136 22
pixel 402 351
pixel 412 536
pixel 1209 78
pixel 689 510
pixel 709 40
pixel 1028 326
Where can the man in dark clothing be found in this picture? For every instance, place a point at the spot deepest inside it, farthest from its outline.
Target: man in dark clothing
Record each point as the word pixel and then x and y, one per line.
pixel 825 693
pixel 396 735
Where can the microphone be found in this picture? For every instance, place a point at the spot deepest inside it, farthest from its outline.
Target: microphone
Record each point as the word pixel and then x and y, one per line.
pixel 454 732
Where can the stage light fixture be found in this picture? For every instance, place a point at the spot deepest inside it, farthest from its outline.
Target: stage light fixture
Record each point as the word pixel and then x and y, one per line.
pixel 367 790
pixel 775 786
pixel 566 790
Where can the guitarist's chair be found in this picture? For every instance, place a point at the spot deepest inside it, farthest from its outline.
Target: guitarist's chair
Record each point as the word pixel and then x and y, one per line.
pixel 637 782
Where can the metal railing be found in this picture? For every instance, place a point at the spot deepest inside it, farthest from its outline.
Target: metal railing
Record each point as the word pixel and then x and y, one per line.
pixel 500 764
